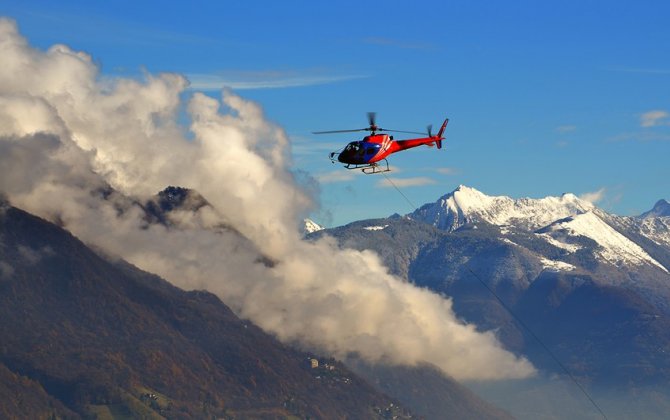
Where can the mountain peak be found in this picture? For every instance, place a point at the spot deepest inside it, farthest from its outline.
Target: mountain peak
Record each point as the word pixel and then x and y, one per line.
pixel 661 209
pixel 466 204
pixel 465 188
pixel 569 196
pixel 310 226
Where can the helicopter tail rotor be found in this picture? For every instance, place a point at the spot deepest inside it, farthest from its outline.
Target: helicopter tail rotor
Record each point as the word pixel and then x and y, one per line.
pixel 438 142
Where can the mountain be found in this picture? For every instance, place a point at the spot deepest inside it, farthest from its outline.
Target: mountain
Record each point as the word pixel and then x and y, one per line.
pixel 660 209
pixel 566 234
pixel 161 207
pixel 310 226
pixel 591 286
pixel 467 205
pixel 427 391
pixel 83 336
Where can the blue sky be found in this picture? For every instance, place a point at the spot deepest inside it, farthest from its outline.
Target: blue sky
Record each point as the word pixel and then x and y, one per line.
pixel 543 97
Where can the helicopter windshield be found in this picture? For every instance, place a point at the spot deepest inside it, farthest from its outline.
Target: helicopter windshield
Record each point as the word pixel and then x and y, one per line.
pixel 354 146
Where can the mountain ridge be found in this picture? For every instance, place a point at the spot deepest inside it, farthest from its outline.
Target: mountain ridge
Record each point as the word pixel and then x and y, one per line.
pixel 466 204
pixel 89 336
pixel 567 214
pixel 660 209
pixel 591 285
pixel 600 254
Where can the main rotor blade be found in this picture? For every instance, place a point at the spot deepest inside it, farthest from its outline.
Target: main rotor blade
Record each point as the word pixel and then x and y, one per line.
pixel 340 131
pixel 400 131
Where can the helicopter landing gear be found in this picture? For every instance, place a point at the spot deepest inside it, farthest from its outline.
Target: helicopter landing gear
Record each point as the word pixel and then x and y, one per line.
pixel 371 168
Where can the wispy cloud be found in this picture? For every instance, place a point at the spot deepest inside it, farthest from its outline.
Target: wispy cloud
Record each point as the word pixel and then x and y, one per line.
pixel 655 118
pixel 310 146
pixel 405 182
pixel 566 128
pixel 447 171
pixel 390 42
pixel 640 70
pixel 336 176
pixel 639 136
pixel 106 29
pixel 594 197
pixel 265 80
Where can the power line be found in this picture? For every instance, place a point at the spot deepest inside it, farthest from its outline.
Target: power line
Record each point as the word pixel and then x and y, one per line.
pixel 401 193
pixel 527 328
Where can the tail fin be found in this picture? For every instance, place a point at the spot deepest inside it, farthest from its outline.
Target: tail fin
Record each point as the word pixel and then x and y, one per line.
pixel 438 142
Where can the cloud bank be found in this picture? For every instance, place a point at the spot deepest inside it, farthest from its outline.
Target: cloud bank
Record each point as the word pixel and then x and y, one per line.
pixel 83 151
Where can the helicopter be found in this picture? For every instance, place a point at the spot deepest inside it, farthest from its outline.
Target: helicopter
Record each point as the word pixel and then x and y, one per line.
pixel 367 154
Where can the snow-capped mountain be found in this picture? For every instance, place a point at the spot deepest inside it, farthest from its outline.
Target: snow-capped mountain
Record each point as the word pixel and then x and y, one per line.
pixel 656 229
pixel 560 221
pixel 592 285
pixel 661 209
pixel 468 205
pixel 613 247
pixel 310 226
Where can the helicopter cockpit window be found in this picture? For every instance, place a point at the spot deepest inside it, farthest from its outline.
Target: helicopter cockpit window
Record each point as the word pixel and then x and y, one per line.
pixel 353 146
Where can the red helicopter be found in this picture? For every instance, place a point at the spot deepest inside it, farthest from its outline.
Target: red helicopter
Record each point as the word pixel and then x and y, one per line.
pixel 367 153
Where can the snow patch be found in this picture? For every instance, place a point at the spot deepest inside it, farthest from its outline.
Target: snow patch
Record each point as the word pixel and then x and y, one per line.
pixel 507 241
pixel 656 229
pixel 571 248
pixel 376 227
pixel 614 247
pixel 554 265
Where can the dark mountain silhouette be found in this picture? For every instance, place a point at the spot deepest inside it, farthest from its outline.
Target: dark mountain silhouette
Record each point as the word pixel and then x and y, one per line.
pixel 83 337
pixel 170 199
pixel 660 209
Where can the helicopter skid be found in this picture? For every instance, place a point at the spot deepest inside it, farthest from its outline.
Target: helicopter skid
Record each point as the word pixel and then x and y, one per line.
pixel 369 169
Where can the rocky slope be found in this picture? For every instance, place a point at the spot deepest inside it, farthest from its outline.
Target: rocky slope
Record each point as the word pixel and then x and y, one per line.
pixel 82 336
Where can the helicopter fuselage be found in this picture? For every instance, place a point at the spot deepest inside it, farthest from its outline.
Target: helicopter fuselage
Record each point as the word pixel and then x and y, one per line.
pixel 377 147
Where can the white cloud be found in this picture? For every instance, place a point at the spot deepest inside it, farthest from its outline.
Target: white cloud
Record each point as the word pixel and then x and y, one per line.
pixel 405 182
pixel 340 175
pixel 65 137
pixel 594 197
pixel 447 171
pixel 654 118
pixel 263 80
